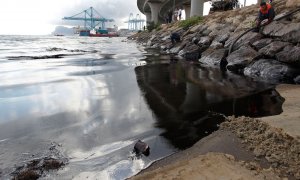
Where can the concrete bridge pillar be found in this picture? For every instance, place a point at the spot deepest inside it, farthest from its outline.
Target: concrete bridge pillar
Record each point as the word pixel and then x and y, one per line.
pixel 197 8
pixel 155 8
pixel 187 10
pixel 148 17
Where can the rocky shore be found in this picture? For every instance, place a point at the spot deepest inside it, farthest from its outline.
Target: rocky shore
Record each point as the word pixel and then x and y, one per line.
pixel 243 148
pixel 272 55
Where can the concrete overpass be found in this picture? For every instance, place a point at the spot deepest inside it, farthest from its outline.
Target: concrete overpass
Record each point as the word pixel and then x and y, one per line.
pixel 156 10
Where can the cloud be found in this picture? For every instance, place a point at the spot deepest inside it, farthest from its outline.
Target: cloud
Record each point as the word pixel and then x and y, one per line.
pixel 36 16
pixel 118 10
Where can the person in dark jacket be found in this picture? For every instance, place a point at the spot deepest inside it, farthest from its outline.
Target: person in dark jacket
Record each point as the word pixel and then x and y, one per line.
pixel 170 14
pixel 266 13
pixel 175 37
pixel 141 147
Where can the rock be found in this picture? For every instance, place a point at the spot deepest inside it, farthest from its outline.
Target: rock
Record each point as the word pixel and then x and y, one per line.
pixel 198 28
pixel 261 43
pixel 241 58
pixel 232 37
pixel 273 48
pixel 190 51
pixel 177 48
pixel 286 31
pixel 222 38
pixel 206 32
pixel 165 38
pixel 259 152
pixel 271 70
pixel 194 29
pixel 293 36
pixel 290 55
pixel 204 43
pixel 296 18
pixel 246 23
pixel 297 80
pixel 247 39
pixel 212 57
pixel 214 33
pixel 149 43
pixel 217 26
pixel 216 45
pixel 195 40
pixel 156 45
pixel 292 3
pixel 188 38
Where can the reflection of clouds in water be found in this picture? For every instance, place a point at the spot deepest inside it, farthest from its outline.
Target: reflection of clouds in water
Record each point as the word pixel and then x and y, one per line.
pixel 120 170
pixel 95 118
pixel 79 155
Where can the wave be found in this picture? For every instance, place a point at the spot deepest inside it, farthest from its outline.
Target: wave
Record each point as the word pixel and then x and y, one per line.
pixel 54 56
pixel 71 50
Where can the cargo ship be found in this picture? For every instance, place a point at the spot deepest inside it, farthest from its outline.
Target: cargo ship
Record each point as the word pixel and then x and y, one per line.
pixel 98 33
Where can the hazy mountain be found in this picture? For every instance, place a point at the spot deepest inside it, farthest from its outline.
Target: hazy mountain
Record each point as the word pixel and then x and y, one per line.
pixel 62 30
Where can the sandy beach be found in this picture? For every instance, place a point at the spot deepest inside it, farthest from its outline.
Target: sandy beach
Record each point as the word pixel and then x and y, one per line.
pixel 243 148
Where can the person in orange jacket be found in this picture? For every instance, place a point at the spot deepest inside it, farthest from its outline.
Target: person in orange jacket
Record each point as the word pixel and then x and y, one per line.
pixel 266 15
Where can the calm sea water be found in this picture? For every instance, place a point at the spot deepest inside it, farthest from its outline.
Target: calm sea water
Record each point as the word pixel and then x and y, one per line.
pixel 95 97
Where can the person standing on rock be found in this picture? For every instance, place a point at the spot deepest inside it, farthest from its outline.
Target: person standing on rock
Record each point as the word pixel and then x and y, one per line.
pixel 179 13
pixel 170 14
pixel 266 15
pixel 175 15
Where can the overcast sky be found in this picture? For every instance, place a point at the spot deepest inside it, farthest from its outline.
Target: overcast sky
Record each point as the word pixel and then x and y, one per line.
pixel 41 16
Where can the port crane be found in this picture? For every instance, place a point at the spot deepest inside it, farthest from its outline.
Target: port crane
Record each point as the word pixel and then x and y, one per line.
pixel 136 23
pixel 91 19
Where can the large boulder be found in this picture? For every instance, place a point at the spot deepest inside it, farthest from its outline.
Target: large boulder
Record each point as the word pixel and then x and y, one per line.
pixel 245 40
pixel 273 48
pixel 293 36
pixel 257 45
pixel 178 47
pixel 206 32
pixel 204 43
pixel 188 38
pixel 216 45
pixel 212 57
pixel 190 51
pixel 290 55
pixel 198 28
pixel 241 58
pixel 222 37
pixel 271 71
pixel 286 31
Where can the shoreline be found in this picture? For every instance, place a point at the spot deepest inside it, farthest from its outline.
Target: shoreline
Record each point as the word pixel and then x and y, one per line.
pixel 262 148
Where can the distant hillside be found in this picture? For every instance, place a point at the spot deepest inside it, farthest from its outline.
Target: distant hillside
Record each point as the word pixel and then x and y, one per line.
pixel 62 30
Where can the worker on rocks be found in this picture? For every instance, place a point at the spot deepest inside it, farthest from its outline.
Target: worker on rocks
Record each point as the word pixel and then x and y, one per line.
pixel 266 15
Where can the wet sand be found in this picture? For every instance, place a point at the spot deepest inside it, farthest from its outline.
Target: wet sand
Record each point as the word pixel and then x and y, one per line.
pixel 244 148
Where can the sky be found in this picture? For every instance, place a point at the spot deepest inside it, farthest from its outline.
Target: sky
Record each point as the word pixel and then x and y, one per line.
pixel 40 17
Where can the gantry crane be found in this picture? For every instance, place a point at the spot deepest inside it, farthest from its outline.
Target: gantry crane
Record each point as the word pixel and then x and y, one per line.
pixel 136 23
pixel 91 19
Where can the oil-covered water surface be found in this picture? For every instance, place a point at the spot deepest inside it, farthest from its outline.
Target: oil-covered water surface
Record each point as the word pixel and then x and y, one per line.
pixel 95 97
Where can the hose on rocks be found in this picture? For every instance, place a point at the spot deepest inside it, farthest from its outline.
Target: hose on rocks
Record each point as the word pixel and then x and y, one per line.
pixel 275 19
